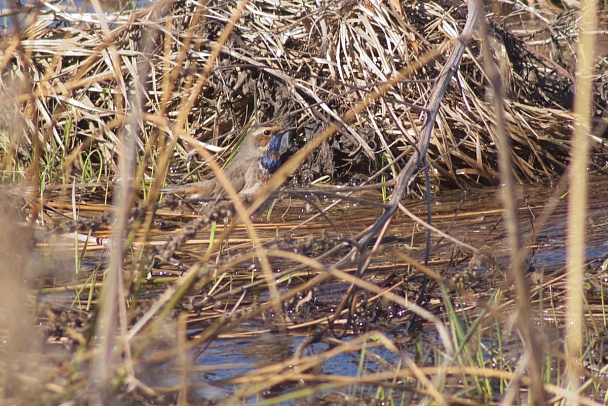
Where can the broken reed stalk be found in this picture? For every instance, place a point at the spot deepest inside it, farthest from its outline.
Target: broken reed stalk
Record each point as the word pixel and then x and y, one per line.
pixel 406 176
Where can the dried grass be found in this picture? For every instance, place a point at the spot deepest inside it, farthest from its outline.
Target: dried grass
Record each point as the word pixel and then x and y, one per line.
pixel 355 78
pixel 288 62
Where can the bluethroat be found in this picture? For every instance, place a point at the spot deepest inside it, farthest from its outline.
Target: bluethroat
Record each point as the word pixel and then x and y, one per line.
pixel 260 154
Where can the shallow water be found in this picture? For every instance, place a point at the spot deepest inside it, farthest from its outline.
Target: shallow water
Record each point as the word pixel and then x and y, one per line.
pixel 473 217
pixel 219 365
pixel 22 16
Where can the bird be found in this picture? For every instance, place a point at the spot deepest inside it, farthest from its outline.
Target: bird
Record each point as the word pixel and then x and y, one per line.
pixel 261 153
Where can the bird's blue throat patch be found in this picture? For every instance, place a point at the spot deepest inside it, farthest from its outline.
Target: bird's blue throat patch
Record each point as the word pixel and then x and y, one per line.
pixel 271 161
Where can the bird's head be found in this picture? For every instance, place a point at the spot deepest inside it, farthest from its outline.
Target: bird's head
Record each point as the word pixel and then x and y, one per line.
pixel 273 143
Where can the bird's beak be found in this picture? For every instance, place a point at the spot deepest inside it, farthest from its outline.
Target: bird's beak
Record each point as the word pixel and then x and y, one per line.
pixel 277 151
pixel 287 140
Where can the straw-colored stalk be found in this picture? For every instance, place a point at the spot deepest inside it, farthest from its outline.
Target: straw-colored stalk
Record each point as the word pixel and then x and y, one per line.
pixel 577 210
pixel 532 359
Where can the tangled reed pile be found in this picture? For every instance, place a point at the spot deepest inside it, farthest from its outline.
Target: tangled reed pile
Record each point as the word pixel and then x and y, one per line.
pixel 75 83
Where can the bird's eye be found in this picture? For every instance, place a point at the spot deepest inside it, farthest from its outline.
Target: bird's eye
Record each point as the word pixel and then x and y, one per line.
pixel 267 132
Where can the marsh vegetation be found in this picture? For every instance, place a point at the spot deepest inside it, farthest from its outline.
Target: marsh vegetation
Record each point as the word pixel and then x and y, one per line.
pixel 437 234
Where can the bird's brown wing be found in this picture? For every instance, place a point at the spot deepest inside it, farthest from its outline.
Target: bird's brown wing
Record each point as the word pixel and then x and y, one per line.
pixel 237 172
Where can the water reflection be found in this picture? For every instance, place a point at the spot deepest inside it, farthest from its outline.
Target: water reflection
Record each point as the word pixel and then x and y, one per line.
pixel 25 13
pixel 218 368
